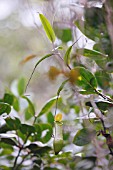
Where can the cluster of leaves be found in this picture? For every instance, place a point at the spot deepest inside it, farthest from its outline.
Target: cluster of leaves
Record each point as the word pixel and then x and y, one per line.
pixel 24 139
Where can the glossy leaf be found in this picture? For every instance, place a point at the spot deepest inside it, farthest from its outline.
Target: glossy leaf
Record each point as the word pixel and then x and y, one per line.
pixel 4 108
pixel 84 137
pixel 47 107
pixel 86 79
pixel 47 27
pixel 31 108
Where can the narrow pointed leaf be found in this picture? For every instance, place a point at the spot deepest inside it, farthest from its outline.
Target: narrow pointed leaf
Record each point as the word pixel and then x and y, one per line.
pixel 68 52
pixel 43 58
pixel 47 27
pixel 67 55
pixel 93 54
pixel 31 106
pixel 47 107
pixel 61 87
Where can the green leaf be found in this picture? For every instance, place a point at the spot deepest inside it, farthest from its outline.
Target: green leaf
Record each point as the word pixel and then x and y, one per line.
pixel 13 124
pixel 37 131
pixel 47 27
pixel 4 108
pixel 4 128
pixel 86 79
pixel 64 34
pixel 28 114
pixel 31 106
pixel 47 107
pixel 8 141
pixel 43 58
pixel 84 137
pixel 27 129
pixel 21 86
pixel 61 87
pixel 8 98
pixel 67 55
pixel 35 148
pixel 103 79
pixel 47 128
pixel 93 54
pixel 68 52
pixel 16 104
pixel 50 118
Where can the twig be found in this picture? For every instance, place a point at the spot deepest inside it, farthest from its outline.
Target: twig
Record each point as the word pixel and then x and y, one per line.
pixel 104 96
pixel 21 148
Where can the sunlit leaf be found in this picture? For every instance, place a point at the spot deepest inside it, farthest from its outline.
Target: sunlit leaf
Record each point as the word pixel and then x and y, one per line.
pixel 84 137
pixel 47 27
pixel 48 106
